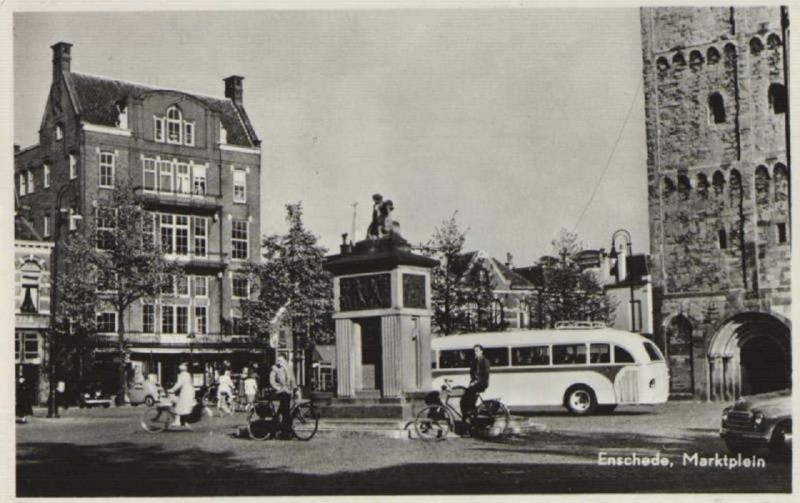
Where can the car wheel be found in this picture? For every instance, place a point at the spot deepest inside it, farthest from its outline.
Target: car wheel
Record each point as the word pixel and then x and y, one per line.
pixel 149 401
pixel 580 400
pixel 780 444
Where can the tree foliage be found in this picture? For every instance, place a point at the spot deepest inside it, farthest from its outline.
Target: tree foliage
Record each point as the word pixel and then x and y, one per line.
pixel 290 286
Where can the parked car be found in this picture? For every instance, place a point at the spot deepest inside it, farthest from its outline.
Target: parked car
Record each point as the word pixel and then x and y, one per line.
pixel 146 392
pixel 757 421
pixel 95 398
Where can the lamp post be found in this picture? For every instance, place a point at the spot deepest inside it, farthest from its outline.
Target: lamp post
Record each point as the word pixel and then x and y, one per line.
pixel 614 255
pixel 52 407
pixel 191 338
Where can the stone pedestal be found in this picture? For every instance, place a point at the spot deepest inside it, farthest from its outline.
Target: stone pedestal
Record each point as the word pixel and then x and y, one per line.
pixel 382 298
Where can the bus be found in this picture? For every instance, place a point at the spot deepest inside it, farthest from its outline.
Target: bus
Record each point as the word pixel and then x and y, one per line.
pixel 583 366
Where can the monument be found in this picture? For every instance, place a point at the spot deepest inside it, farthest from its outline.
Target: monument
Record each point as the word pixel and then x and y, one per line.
pixel 382 311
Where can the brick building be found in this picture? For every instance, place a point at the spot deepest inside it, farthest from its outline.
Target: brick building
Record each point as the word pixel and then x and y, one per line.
pixel 197 160
pixel 719 199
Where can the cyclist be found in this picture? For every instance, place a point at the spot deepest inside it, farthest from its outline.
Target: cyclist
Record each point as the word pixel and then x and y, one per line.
pixel 282 382
pixel 478 381
pixel 184 402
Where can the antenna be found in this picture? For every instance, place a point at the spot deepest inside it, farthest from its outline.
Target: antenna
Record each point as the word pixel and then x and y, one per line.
pixel 355 211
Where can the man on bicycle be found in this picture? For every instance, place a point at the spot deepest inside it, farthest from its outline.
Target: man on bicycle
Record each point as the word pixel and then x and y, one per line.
pixel 282 382
pixel 478 381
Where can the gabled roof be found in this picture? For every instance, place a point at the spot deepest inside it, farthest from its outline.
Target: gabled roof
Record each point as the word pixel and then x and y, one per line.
pixel 517 281
pixel 462 264
pixel 97 99
pixel 534 274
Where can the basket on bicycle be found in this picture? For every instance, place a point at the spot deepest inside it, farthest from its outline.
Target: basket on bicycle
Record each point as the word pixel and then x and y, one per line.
pixel 433 398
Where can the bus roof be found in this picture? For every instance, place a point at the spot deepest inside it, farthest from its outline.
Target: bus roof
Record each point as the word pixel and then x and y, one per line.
pixel 539 336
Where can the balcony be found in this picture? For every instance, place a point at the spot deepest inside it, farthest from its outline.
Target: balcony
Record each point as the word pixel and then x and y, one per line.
pixel 209 262
pixel 200 203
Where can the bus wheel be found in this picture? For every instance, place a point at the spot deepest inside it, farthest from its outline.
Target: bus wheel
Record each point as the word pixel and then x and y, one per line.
pixel 580 400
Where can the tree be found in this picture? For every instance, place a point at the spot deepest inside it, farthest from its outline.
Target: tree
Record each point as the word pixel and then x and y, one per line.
pixel 119 253
pixel 570 294
pixel 446 245
pixel 291 284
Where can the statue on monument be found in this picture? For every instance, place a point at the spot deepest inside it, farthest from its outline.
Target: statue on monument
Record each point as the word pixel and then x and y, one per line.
pixel 382 223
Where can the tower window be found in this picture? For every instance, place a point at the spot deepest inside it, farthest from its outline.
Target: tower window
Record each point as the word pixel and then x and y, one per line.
pixel 684 188
pixel 716 109
pixel 782 237
pixel 723 239
pixel 777 98
pixel 756 45
pixel 712 56
pixel 773 41
pixel 695 60
pixel 662 64
pixel 678 59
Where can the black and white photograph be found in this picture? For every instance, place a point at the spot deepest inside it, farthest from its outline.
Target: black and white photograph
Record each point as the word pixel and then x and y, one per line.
pixel 398 249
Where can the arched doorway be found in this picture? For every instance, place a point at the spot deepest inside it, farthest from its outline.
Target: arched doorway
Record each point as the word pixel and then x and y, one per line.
pixel 749 354
pixel 679 349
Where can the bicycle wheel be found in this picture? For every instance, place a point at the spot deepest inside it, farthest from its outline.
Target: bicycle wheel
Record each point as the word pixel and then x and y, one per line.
pixel 491 419
pixel 260 428
pixel 155 419
pixel 432 423
pixel 305 421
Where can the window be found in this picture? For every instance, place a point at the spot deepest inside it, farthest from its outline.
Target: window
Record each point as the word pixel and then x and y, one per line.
pixel 782 237
pixel 716 109
pixel 46 226
pixel 30 181
pixel 200 320
pixel 712 55
pixel 756 45
pixel 239 186
pixel 165 176
pixel 241 287
pixel 684 188
pixel 532 355
pixel 622 356
pixel 30 347
pixel 498 357
pixel 158 129
pixel 106 225
pixel 168 286
pixel 73 166
pixel 722 238
pixel 237 326
pixel 565 354
pixel 149 183
pixel 188 133
pixel 182 286
pixel 148 318
pixel 175 234
pixel 23 184
pixel 183 179
pixel 200 286
pixel 167 319
pixel 31 273
pixel 762 185
pixel 174 125
pixel 599 353
pixel 46 176
pixel 17 347
pixel 107 169
pixel 455 358
pixel 199 179
pixel 239 239
pixel 653 352
pixel 702 186
pixel 777 98
pixel 107 323
pixel 200 236
pixel 59 132
pixel 181 319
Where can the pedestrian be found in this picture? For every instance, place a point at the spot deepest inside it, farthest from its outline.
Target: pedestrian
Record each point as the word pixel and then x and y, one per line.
pixel 224 391
pixel 184 401
pixel 61 389
pixel 282 382
pixel 478 381
pixel 250 388
pixel 24 407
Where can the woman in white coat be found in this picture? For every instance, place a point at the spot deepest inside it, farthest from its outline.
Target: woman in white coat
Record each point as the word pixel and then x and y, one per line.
pixel 184 401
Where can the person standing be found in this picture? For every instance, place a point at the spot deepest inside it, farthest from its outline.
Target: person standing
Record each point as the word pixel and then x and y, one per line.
pixel 251 388
pixel 282 382
pixel 478 381
pixel 184 401
pixel 24 407
pixel 224 391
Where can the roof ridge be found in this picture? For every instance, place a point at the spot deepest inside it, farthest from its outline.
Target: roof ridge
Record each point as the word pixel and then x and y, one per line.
pixel 150 86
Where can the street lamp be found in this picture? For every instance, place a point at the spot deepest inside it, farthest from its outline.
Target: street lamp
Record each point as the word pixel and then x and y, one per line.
pixel 52 407
pixel 627 276
pixel 191 338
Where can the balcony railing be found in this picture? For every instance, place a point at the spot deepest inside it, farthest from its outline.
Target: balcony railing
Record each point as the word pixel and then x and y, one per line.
pixel 183 341
pixel 204 202
pixel 207 261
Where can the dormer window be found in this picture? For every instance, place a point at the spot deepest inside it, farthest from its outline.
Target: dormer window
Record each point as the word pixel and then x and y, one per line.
pixel 158 129
pixel 174 123
pixel 122 116
pixel 188 133
pixel 223 135
pixel 171 128
pixel 59 132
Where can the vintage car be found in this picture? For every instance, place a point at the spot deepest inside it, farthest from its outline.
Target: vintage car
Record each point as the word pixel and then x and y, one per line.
pixel 758 421
pixel 146 392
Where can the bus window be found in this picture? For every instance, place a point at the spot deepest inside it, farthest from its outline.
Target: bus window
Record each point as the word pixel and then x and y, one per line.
pixel 622 356
pixel 454 358
pixel 653 352
pixel 599 353
pixel 569 353
pixel 531 355
pixel 498 357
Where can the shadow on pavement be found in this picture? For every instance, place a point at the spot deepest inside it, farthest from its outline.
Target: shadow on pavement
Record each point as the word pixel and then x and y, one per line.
pixel 127 469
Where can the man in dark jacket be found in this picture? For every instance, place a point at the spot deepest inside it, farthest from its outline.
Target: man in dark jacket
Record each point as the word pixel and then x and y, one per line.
pixel 478 381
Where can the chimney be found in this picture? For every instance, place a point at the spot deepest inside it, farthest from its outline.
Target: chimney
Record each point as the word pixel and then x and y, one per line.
pixel 233 89
pixel 61 58
pixel 509 260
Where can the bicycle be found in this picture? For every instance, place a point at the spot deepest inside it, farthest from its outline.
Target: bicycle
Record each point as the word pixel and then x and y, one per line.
pixel 159 417
pixel 434 422
pixel 263 421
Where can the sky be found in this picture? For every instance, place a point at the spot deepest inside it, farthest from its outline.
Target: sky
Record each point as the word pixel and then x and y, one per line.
pixel 506 116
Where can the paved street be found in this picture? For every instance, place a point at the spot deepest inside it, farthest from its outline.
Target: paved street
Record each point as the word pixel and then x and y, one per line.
pixel 104 452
